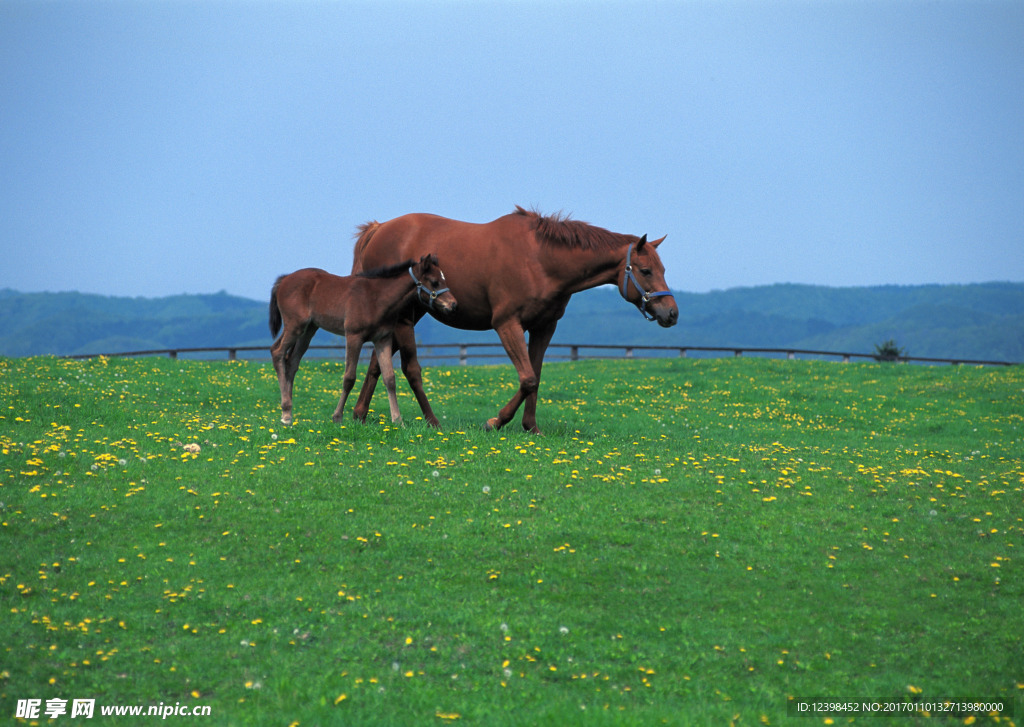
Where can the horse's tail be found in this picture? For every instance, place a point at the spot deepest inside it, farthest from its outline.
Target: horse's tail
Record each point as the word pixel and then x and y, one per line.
pixel 363 234
pixel 275 311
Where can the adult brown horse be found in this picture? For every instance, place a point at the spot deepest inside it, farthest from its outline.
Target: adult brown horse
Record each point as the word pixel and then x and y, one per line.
pixel 515 275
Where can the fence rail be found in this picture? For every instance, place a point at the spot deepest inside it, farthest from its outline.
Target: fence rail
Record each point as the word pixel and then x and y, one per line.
pixel 463 352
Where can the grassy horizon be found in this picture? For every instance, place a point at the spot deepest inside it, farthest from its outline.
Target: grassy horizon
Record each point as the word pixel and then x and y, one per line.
pixel 689 542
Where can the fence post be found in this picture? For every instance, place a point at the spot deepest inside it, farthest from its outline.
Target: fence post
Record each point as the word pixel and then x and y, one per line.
pixel 172 354
pixel 629 352
pixel 682 353
pixel 463 355
pixel 790 355
pixel 232 354
pixel 846 358
pixel 574 353
pixel 737 353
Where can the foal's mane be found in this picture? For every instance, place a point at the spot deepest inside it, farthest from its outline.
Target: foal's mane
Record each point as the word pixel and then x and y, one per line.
pixel 559 229
pixel 387 271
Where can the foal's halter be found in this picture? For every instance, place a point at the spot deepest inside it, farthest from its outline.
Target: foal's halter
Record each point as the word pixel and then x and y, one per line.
pixel 645 296
pixel 422 290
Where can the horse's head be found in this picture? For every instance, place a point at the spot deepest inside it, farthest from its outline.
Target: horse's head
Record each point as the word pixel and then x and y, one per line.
pixel 643 284
pixel 431 289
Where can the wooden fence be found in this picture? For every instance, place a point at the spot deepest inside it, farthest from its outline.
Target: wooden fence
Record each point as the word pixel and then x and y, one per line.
pixel 463 352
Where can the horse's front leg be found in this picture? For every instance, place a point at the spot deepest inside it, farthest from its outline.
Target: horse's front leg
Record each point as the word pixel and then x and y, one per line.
pixel 514 340
pixel 353 345
pixel 405 340
pixel 539 340
pixel 366 393
pixel 387 370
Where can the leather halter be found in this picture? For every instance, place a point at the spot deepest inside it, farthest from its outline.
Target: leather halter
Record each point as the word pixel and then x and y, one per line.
pixel 645 296
pixel 422 290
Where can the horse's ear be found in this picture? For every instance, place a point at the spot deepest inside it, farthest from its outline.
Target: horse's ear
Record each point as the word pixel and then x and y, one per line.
pixel 640 244
pixel 657 242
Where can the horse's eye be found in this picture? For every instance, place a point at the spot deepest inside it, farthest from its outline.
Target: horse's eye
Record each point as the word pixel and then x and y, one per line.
pixel 645 271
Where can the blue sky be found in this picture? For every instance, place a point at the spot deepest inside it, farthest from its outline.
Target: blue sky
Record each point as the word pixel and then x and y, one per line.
pixel 155 148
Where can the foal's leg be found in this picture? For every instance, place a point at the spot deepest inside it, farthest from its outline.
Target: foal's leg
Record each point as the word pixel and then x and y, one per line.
pixel 514 340
pixel 366 393
pixel 405 340
pixel 353 345
pixel 300 348
pixel 293 345
pixel 383 349
pixel 279 355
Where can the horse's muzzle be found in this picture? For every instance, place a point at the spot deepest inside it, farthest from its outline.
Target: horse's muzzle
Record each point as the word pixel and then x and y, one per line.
pixel 446 305
pixel 666 315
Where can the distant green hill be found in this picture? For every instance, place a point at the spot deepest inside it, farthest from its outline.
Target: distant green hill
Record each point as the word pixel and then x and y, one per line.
pixel 77 323
pixel 983 321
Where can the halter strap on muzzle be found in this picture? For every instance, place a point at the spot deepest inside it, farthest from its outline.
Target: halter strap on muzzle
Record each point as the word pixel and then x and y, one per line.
pixel 422 290
pixel 645 296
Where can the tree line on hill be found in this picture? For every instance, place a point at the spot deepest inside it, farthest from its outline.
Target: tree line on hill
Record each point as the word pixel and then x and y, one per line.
pixel 981 321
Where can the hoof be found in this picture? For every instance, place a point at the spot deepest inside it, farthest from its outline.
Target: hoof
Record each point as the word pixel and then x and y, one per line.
pixel 286 419
pixel 492 425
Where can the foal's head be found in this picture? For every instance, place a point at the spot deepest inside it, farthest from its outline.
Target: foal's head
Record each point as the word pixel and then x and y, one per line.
pixel 431 288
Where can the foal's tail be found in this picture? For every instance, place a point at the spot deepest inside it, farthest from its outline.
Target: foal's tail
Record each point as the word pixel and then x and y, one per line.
pixel 363 234
pixel 275 311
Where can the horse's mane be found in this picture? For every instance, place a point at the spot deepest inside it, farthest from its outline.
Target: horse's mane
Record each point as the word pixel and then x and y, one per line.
pixel 387 271
pixel 560 229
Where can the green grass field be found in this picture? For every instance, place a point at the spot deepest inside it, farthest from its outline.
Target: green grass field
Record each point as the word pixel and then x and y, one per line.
pixel 690 542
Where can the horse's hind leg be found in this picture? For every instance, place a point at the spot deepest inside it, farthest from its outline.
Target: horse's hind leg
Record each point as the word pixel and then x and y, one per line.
pixel 300 348
pixel 279 355
pixel 353 345
pixel 287 353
